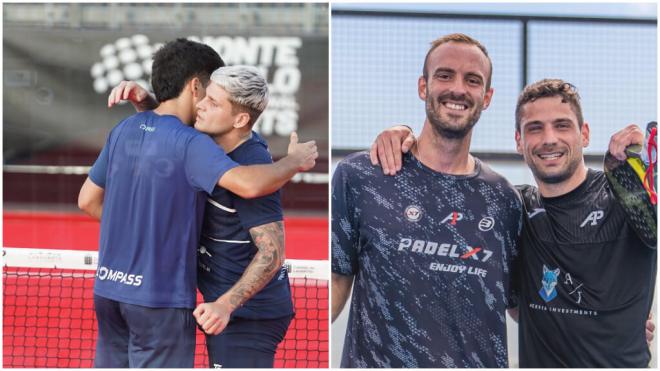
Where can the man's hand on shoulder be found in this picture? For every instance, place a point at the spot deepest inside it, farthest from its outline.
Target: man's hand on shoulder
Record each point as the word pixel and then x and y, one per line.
pixel 134 93
pixel 389 145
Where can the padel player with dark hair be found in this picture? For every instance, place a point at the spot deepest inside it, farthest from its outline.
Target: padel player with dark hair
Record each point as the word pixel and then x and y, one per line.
pixel 587 279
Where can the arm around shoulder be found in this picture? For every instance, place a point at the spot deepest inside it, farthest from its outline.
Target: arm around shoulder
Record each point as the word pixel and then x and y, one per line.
pixel 256 180
pixel 260 180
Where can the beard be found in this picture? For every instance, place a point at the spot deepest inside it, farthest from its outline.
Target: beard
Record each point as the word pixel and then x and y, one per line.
pixel 556 177
pixel 443 126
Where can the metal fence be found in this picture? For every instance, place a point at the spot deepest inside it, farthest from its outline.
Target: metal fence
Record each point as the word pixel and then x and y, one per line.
pixel 378 56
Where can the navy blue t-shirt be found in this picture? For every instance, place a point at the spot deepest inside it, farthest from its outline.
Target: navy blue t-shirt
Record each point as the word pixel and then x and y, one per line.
pixel 155 172
pixel 432 255
pixel 226 247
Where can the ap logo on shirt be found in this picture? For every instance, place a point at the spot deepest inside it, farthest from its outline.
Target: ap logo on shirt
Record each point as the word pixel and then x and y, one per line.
pixel 549 282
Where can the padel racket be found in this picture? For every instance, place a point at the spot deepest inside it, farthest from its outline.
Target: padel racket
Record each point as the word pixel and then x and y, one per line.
pixel 633 183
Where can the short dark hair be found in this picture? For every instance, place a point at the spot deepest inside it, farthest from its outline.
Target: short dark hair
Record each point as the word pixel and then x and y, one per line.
pixel 463 39
pixel 548 88
pixel 179 61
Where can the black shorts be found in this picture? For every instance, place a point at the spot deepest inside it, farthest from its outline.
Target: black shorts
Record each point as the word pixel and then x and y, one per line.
pixel 247 343
pixel 136 336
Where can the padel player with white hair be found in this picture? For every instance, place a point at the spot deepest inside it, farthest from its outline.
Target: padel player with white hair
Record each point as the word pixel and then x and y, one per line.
pixel 241 275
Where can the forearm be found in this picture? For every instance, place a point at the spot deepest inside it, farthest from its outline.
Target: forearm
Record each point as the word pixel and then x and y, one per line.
pixel 269 239
pixel 341 289
pixel 258 180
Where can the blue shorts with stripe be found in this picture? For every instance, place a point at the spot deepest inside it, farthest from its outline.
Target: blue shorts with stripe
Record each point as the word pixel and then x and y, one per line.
pixel 246 343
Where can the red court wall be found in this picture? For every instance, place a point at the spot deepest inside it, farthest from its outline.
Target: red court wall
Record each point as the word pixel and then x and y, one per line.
pixel 306 237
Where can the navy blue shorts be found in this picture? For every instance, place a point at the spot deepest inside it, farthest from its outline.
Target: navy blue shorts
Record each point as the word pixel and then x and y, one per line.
pixel 136 336
pixel 247 343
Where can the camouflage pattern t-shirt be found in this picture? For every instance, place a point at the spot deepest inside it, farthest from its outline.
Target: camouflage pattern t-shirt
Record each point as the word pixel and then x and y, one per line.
pixel 433 255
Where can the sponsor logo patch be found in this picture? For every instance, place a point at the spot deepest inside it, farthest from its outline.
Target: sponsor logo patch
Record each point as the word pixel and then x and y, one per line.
pixel 548 289
pixel 486 224
pixel 106 274
pixel 413 213
pixel 593 218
